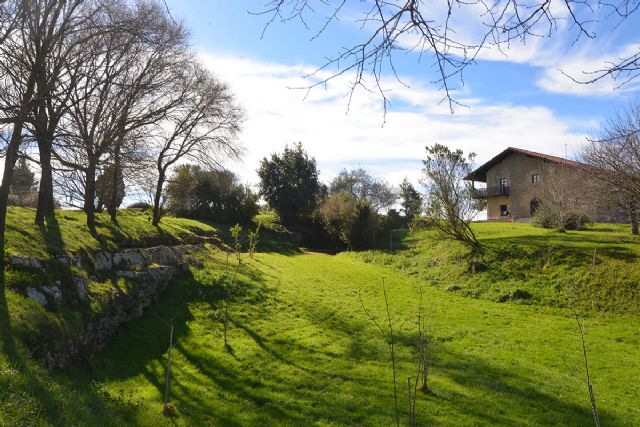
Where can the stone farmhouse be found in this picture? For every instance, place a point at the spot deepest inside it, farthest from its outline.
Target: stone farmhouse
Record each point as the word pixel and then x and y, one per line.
pixel 514 180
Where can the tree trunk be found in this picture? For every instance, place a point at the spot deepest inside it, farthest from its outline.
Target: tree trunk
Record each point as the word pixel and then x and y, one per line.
pixel 7 177
pixel 111 206
pixel 633 218
pixel 90 197
pixel 156 198
pixel 45 194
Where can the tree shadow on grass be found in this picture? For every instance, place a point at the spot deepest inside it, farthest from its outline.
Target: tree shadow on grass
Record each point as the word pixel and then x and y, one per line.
pixel 576 250
pixel 499 396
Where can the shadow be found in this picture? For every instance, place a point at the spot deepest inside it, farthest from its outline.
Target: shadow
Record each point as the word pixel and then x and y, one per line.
pixel 6 330
pixel 499 396
pixel 393 240
pixel 50 231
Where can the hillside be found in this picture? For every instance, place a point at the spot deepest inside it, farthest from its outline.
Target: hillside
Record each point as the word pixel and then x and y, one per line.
pixel 303 352
pixel 595 270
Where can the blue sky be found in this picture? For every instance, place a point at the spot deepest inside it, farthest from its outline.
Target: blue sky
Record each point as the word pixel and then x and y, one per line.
pixel 521 99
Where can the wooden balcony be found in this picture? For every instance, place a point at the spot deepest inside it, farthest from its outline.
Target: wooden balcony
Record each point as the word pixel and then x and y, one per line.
pixel 492 191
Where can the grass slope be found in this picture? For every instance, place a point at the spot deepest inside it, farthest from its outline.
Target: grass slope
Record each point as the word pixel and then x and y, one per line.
pixel 305 354
pixel 526 264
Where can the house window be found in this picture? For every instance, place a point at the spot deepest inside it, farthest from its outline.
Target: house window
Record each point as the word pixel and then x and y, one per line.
pixel 504 186
pixel 503 210
pixel 535 178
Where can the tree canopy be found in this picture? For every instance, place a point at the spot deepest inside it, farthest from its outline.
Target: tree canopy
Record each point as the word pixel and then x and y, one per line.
pixel 289 183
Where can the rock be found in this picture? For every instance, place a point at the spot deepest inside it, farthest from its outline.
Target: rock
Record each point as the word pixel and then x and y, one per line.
pixel 131 259
pixel 161 255
pixel 36 296
pixel 23 261
pixel 54 292
pixel 162 273
pixel 81 288
pixel 102 261
pixel 58 283
pixel 129 274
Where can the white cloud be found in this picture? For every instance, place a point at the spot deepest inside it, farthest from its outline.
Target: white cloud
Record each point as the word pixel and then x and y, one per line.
pixel 580 66
pixel 277 115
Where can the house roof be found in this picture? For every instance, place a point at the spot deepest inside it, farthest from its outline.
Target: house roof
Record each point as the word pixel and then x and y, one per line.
pixel 480 174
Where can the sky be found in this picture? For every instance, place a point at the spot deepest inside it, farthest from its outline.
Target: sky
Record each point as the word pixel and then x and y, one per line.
pixel 519 97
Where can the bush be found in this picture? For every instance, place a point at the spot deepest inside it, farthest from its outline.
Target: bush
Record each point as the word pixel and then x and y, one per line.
pixel 349 220
pixel 578 221
pixel 546 218
pixel 215 195
pixel 139 205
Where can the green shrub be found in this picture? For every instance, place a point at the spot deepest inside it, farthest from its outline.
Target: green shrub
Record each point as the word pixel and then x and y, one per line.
pixel 547 218
pixel 578 221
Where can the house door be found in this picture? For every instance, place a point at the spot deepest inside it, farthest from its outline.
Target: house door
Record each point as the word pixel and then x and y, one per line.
pixel 534 206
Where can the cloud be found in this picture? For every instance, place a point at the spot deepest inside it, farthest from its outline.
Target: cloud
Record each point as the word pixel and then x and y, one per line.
pixel 580 66
pixel 278 115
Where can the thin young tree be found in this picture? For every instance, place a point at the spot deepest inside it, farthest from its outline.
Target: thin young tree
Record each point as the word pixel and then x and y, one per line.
pixel 389 338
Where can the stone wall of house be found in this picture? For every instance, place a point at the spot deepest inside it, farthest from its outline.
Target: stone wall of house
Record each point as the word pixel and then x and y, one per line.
pixel 150 269
pixel 517 169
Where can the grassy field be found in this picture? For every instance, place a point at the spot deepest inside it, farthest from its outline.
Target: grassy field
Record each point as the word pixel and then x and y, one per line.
pixel 304 353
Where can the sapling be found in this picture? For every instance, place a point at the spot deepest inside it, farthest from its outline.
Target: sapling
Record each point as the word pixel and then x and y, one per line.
pixel 237 246
pixel 253 240
pixel 592 396
pixel 390 340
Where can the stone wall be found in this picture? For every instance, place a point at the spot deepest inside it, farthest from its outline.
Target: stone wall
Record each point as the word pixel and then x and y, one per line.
pixel 150 269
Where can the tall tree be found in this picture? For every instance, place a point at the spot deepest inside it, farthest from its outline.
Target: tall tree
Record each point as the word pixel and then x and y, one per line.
pixel 201 127
pixel 23 25
pixel 125 78
pixel 54 56
pixel 289 183
pixel 23 185
pixel 615 156
pixel 411 200
pixel 378 194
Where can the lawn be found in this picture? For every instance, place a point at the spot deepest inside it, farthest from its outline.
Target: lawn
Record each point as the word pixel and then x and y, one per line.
pixel 303 353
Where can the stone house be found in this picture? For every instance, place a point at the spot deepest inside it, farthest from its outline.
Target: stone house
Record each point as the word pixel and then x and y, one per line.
pixel 514 180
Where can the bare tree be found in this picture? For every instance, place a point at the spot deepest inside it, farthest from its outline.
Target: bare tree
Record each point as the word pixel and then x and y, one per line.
pixel 125 77
pixel 20 30
pixel 449 206
pixel 202 126
pixel 567 195
pixel 441 31
pixel 379 194
pixel 615 156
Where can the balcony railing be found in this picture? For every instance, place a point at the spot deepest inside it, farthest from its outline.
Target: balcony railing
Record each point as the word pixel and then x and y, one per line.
pixel 483 193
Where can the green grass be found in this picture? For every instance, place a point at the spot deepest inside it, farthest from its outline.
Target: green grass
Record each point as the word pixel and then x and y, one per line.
pixel 555 269
pixel 304 353
pixel 68 234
